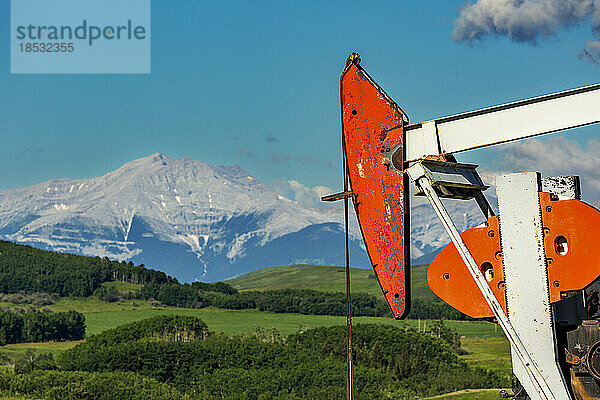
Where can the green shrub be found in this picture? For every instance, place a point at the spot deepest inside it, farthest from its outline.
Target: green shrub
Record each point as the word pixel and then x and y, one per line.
pixel 61 385
pixel 388 362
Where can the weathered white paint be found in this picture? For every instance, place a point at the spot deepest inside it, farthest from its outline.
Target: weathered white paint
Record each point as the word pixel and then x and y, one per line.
pixel 526 278
pixel 504 123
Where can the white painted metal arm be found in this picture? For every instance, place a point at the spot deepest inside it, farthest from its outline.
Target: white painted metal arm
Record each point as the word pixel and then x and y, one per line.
pixel 526 281
pixel 504 123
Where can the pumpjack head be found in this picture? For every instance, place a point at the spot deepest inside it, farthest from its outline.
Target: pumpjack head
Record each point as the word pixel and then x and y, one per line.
pixel 373 126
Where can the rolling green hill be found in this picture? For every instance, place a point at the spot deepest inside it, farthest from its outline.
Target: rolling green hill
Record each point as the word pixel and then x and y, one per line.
pixel 330 279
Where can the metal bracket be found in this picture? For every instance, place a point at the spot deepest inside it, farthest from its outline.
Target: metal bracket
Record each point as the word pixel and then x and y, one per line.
pixel 431 141
pixel 338 196
pixel 455 181
pixel 451 180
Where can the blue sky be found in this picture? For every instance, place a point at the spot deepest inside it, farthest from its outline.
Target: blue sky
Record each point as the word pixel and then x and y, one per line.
pixel 257 84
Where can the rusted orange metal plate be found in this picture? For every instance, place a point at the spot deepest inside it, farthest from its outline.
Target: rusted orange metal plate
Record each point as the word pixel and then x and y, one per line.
pixel 450 279
pixel 571 229
pixel 575 262
pixel 372 126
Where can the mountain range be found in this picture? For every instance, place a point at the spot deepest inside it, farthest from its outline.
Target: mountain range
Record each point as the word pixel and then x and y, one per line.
pixel 195 221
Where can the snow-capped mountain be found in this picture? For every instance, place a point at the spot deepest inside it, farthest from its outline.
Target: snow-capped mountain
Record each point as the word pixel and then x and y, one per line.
pixel 428 236
pixel 191 220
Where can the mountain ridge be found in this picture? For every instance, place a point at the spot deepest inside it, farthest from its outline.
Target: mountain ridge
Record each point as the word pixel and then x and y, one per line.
pixel 194 212
pixel 192 220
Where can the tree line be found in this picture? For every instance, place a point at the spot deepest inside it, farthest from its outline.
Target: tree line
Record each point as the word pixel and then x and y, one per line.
pixel 41 327
pixel 24 268
pixel 165 328
pixel 302 301
pixel 390 362
pixel 64 385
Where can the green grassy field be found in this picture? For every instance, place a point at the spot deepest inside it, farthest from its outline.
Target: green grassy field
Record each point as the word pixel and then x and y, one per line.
pixel 330 279
pixel 93 304
pixel 46 347
pixel 484 341
pixel 487 394
pixel 241 321
pixel 492 353
pixel 101 315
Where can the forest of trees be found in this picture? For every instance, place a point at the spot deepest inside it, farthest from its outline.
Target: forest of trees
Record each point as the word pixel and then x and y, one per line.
pixel 166 328
pixel 177 357
pixel 25 269
pixel 62 385
pixel 41 327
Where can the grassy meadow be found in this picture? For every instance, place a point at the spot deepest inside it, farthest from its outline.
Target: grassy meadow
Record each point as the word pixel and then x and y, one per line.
pixel 329 279
pixel 101 315
pixel 485 394
pixel 482 339
pixel 484 342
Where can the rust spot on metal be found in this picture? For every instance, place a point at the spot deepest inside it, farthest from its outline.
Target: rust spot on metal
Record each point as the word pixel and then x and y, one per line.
pixel 368 134
pixel 571 358
pixel 441 157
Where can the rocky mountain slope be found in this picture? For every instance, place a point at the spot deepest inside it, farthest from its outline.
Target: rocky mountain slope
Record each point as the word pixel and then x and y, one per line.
pixel 193 220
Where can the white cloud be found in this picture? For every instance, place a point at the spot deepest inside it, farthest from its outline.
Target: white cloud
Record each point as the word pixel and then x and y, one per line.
pixel 527 21
pixel 294 190
pixel 554 157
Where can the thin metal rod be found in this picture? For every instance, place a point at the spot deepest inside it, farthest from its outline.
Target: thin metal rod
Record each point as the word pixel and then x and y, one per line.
pixel 484 205
pixel 534 373
pixel 349 371
pixel 337 196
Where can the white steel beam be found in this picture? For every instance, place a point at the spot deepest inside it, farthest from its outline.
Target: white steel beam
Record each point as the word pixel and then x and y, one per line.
pixel 504 123
pixel 526 278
